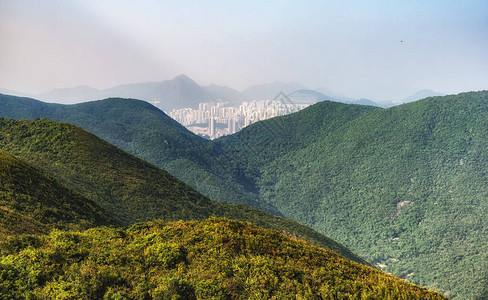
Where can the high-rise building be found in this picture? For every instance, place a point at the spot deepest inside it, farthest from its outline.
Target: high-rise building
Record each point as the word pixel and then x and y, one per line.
pixel 247 122
pixel 231 126
pixel 215 115
pixel 211 127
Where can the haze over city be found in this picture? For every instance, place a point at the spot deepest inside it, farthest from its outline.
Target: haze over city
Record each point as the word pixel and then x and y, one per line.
pixel 381 50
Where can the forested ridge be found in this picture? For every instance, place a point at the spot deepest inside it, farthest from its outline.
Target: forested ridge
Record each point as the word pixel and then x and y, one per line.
pixel 210 259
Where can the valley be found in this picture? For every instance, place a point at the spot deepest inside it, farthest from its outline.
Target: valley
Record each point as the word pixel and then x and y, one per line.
pixel 402 187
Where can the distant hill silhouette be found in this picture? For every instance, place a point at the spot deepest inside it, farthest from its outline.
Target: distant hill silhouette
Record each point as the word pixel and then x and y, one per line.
pixel 179 92
pixel 421 95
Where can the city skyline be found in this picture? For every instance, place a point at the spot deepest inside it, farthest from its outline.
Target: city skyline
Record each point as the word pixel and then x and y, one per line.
pixel 216 119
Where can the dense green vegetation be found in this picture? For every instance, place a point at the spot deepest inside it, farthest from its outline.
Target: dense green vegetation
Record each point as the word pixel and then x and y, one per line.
pixel 210 259
pixel 143 130
pixel 30 202
pixel 259 144
pixel 404 187
pixel 128 188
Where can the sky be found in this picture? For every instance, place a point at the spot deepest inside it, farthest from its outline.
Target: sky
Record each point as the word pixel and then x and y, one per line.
pixel 381 50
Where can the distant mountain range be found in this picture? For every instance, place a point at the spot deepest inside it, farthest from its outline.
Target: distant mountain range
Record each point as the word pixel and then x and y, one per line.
pixel 14 93
pixel 312 97
pixel 182 92
pixel 271 90
pixel 179 92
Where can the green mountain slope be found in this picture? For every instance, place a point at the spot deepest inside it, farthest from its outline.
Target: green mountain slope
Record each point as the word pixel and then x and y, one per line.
pixel 127 187
pixel 210 259
pixel 262 142
pixel 404 187
pixel 30 202
pixel 143 130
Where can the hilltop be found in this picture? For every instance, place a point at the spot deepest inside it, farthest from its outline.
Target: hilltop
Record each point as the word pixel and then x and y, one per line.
pixel 210 259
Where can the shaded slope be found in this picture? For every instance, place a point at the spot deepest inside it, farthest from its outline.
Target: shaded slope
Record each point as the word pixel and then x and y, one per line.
pixel 210 259
pixel 262 142
pixel 129 188
pixel 405 187
pixel 257 145
pixel 143 130
pixel 30 202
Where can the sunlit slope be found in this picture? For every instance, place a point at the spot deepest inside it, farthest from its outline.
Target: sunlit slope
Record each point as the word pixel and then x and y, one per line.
pixel 210 259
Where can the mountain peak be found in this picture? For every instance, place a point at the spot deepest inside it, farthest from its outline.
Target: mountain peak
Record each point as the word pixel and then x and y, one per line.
pixel 183 77
pixel 185 81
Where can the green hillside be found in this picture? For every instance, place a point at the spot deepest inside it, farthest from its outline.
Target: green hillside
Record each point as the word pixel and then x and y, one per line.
pixel 128 188
pixel 404 187
pixel 30 202
pixel 143 130
pixel 263 142
pixel 210 259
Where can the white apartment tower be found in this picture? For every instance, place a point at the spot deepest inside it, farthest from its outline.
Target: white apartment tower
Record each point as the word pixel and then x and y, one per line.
pixel 211 127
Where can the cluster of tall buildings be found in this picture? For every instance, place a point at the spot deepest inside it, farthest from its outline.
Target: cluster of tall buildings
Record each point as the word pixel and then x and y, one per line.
pixel 216 119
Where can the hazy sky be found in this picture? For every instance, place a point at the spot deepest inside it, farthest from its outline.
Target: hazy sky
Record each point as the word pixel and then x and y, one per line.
pixel 353 48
